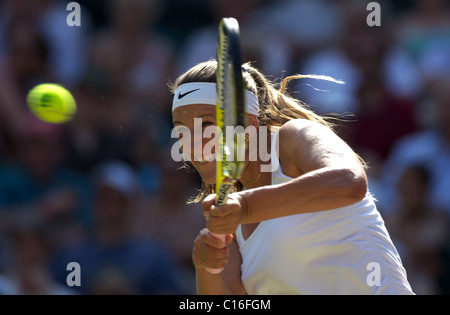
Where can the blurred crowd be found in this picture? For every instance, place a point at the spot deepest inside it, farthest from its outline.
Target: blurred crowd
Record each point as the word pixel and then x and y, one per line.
pixel 103 190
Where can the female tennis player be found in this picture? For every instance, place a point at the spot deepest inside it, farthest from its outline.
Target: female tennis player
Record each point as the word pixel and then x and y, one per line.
pixel 308 227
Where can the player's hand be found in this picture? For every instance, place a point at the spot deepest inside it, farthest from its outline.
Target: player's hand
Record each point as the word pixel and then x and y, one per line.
pixel 223 219
pixel 209 251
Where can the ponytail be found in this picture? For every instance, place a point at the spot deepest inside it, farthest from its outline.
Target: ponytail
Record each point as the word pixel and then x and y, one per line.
pixel 276 106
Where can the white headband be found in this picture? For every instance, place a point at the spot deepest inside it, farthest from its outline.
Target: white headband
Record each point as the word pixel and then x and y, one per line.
pixel 205 93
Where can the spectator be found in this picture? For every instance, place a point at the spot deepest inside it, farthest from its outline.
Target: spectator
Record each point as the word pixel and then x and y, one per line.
pixel 318 24
pixel 64 42
pixel 114 259
pixel 31 249
pixel 106 126
pixel 168 218
pixel 259 43
pixel 23 65
pixel 39 181
pixel 418 230
pixel 131 55
pixel 360 52
pixel 430 147
pixel 124 89
pixel 146 157
pixel 424 33
pixel 382 119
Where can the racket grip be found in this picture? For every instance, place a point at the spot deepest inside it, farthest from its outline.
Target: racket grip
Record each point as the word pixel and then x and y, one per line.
pixel 222 238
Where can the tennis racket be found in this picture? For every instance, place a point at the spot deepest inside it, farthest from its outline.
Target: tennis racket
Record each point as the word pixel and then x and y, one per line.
pixel 230 111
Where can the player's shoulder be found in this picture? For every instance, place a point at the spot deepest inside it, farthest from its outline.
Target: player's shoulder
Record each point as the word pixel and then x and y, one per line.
pixel 298 134
pixel 298 127
pixel 292 134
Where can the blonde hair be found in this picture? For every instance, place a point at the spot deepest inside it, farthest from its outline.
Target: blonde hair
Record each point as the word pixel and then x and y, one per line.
pixel 276 106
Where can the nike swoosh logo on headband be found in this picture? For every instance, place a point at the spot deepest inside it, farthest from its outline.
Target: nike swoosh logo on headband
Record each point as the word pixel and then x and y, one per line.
pixel 181 95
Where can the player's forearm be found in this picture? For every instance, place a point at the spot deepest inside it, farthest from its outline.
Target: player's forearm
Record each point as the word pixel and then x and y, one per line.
pixel 211 284
pixel 323 189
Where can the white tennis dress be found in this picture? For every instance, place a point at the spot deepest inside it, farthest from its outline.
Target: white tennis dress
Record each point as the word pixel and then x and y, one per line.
pixel 342 251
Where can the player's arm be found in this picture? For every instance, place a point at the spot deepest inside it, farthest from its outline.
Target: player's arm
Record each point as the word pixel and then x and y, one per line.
pixel 327 175
pixel 208 253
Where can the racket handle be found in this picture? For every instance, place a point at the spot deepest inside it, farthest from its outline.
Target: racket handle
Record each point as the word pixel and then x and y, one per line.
pixel 222 238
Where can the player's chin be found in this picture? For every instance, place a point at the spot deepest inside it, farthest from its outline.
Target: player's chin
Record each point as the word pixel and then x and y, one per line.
pixel 207 171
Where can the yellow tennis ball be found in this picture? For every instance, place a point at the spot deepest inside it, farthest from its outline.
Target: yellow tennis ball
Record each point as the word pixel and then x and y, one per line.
pixel 51 103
